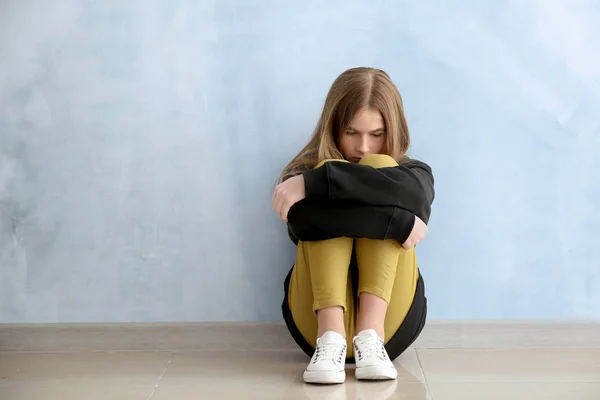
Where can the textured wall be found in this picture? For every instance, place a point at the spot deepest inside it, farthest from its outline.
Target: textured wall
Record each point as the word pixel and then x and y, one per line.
pixel 139 143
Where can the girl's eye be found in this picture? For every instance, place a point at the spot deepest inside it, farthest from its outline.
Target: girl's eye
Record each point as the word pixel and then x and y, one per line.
pixel 377 135
pixel 349 133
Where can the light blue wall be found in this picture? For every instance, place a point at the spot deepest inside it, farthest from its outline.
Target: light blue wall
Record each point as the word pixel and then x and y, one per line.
pixel 139 143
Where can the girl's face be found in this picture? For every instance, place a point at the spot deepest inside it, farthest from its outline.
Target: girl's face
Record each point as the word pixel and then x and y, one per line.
pixel 365 135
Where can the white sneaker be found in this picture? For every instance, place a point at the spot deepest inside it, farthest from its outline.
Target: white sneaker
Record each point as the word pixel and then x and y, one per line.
pixel 372 360
pixel 328 363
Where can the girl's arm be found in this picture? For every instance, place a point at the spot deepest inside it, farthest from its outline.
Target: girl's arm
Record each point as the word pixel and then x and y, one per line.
pixel 409 186
pixel 311 220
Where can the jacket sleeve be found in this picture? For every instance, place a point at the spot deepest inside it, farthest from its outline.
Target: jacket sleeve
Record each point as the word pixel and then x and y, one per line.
pixel 409 186
pixel 311 220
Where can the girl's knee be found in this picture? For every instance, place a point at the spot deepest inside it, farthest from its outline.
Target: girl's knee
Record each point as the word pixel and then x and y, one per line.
pixel 329 160
pixel 378 161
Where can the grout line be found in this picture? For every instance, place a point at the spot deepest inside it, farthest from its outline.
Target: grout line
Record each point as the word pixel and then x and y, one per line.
pixel 424 376
pixel 161 376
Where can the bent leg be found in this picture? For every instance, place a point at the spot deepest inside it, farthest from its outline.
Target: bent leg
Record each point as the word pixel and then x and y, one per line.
pixel 318 290
pixel 390 287
pixel 377 263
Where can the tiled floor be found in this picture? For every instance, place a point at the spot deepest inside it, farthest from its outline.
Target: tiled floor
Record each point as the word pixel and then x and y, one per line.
pixel 438 374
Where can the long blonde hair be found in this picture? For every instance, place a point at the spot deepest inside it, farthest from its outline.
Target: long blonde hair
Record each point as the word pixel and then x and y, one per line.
pixel 352 90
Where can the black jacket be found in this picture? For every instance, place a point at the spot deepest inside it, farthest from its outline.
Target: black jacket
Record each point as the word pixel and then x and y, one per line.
pixel 359 201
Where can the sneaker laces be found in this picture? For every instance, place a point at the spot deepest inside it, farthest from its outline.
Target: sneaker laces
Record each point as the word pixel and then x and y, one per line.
pixel 370 347
pixel 329 351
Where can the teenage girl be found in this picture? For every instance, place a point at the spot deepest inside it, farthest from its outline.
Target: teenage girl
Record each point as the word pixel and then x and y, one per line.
pixel 355 206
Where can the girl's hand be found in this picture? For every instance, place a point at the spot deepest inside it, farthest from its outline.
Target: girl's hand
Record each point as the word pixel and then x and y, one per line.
pixel 287 194
pixel 418 233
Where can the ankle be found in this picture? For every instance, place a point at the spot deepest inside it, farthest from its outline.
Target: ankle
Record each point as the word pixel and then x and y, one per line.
pixel 331 319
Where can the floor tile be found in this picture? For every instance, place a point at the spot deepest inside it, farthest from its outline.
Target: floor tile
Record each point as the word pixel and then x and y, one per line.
pixel 505 365
pixel 247 366
pixel 120 368
pixel 409 367
pixel 228 388
pixel 514 391
pixel 74 391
